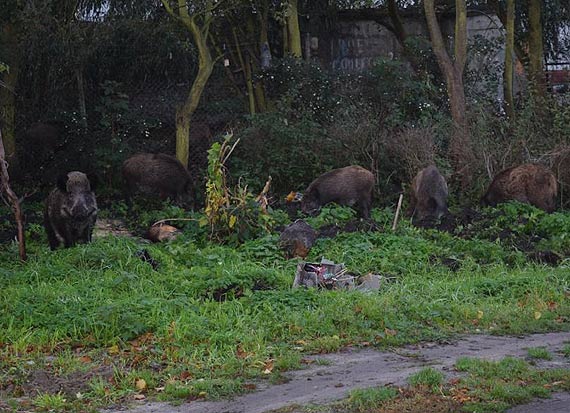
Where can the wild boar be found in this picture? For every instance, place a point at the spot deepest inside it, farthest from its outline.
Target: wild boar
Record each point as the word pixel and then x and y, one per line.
pixel 161 232
pixel 351 185
pixel 40 142
pixel 428 198
pixel 70 211
pixel 157 174
pixel 297 239
pixel 528 183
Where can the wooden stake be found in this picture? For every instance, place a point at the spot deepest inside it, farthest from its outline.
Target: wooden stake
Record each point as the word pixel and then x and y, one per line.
pixel 398 208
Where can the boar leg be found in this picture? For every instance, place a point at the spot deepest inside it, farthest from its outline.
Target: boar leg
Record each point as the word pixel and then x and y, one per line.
pixel 52 237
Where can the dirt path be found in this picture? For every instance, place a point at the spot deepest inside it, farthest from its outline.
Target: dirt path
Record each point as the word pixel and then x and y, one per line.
pixel 352 369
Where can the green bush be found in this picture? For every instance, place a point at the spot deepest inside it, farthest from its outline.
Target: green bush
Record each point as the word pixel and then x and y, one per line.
pixel 293 153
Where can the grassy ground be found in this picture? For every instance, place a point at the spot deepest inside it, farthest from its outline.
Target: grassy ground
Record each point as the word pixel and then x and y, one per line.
pixel 96 324
pixel 483 386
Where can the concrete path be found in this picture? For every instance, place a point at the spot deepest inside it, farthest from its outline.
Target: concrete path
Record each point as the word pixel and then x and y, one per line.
pixel 351 368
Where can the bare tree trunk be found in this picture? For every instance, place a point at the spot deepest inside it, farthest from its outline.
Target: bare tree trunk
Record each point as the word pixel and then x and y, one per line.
pixel 461 152
pixel 518 47
pixel 294 33
pixel 13 198
pixel 285 32
pixel 509 51
pixel 535 48
pixel 205 66
pixel 81 96
pixel 249 83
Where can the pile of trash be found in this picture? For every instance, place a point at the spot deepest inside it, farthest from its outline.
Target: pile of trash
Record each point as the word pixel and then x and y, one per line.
pixel 332 276
pixel 327 275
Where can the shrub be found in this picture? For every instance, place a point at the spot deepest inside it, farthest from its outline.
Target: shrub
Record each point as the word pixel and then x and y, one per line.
pixel 293 153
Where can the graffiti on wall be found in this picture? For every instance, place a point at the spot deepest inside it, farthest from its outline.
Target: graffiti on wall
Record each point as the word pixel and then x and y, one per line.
pixel 357 44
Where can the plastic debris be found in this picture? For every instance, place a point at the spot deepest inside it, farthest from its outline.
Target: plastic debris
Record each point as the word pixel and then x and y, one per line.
pixel 332 276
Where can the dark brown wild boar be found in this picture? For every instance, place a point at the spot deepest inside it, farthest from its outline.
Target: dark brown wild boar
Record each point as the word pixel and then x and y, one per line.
pixel 528 183
pixel 351 185
pixel 70 211
pixel 157 174
pixel 428 196
pixel 40 141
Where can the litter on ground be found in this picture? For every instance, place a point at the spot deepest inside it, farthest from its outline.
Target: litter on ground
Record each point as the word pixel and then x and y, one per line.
pixel 332 276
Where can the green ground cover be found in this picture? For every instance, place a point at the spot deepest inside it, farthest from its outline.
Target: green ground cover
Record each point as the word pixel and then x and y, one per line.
pixel 211 319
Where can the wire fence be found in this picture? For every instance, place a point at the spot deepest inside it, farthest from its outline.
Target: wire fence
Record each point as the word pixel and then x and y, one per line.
pixel 97 124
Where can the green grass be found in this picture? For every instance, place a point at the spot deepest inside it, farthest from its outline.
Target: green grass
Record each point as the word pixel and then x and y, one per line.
pixel 212 317
pixel 362 400
pixel 484 386
pixel 50 402
pixel 427 377
pixel 495 386
pixel 539 353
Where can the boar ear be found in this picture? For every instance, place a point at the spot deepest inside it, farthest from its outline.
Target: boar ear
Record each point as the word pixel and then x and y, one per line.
pixel 62 182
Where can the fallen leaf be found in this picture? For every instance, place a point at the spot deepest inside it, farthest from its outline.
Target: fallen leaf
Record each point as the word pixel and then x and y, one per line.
pixel 479 314
pixel 556 383
pixel 365 343
pixel 268 366
pixel 185 375
pixel 552 305
pixel 390 332
pixel 139 397
pixel 291 196
pixel 140 384
pixel 460 395
pixel 85 359
pixel 249 386
pixel 159 389
pixel 202 394
pixel 113 349
pixel 537 315
pixel 240 353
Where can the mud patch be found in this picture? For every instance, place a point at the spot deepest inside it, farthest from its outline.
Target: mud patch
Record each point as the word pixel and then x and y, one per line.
pixel 414 401
pixel 45 381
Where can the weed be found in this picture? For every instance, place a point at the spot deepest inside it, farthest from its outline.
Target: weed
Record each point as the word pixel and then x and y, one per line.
pixel 50 402
pixel 364 400
pixel 427 377
pixel 540 353
pixel 566 350
pixel 494 386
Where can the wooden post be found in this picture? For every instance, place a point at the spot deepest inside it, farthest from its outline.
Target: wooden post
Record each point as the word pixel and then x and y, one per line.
pixel 398 208
pixel 13 198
